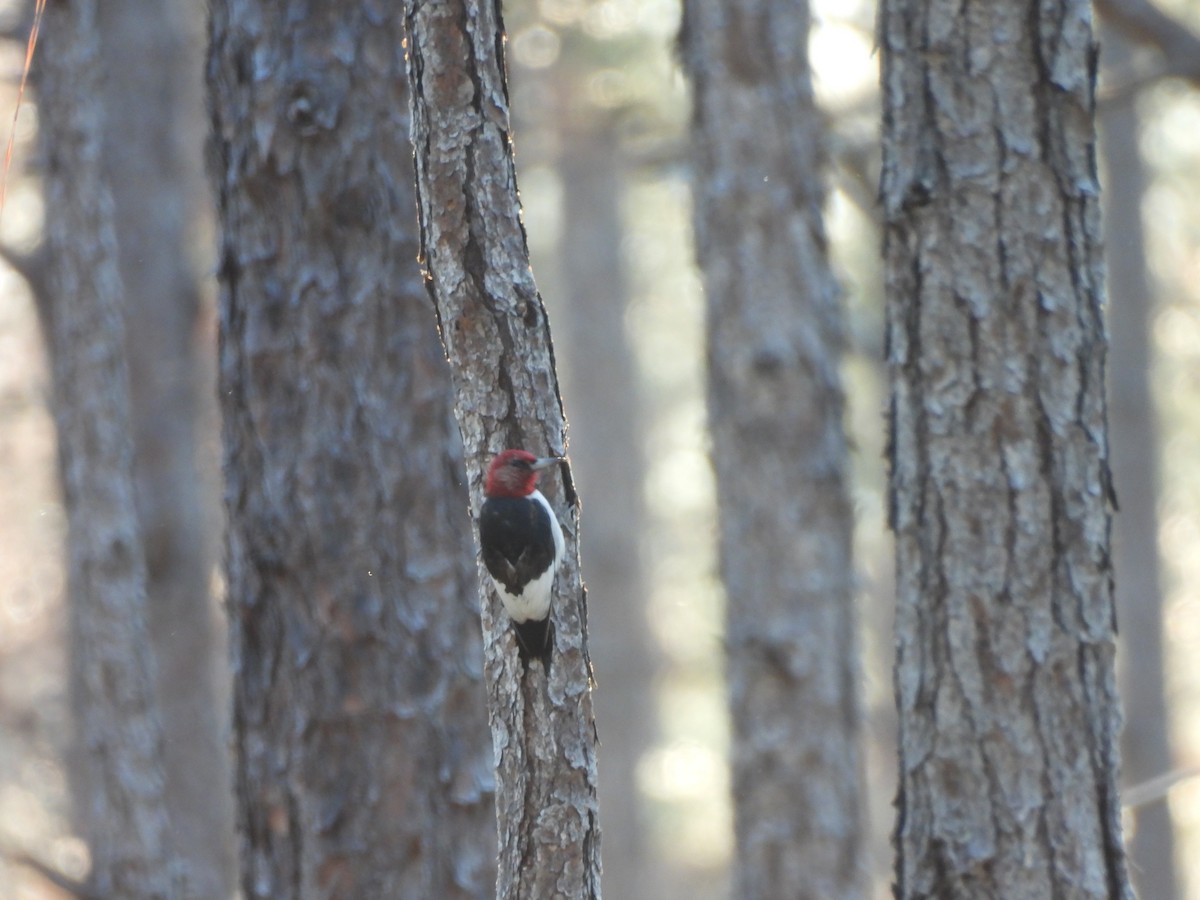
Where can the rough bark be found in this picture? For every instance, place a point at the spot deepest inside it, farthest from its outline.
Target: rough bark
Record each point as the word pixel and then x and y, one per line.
pixel 1146 746
pixel 362 763
pixel 600 385
pixel 497 339
pixel 775 411
pixel 1000 486
pixel 119 791
pixel 156 180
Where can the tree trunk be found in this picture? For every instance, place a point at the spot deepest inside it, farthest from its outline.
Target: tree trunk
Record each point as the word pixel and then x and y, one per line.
pixel 600 384
pixel 775 410
pixel 156 184
pixel 1146 742
pixel 497 339
pixel 1000 487
pixel 119 792
pixel 362 762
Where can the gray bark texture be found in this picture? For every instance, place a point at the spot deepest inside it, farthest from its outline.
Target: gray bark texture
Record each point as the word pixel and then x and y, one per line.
pixel 497 339
pixel 362 760
pixel 155 173
pixel 775 412
pixel 1146 744
pixel 119 793
pixel 1000 487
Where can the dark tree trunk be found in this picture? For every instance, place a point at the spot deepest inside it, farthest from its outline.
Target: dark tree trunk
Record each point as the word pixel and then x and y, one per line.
pixel 363 768
pixel 775 409
pixel 119 803
pixel 497 338
pixel 1000 486
pixel 157 180
pixel 1146 742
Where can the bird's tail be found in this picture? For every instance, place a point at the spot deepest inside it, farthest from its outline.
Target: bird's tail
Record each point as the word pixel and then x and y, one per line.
pixel 535 640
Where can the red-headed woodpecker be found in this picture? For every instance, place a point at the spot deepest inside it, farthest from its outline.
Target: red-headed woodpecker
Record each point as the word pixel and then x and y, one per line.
pixel 522 545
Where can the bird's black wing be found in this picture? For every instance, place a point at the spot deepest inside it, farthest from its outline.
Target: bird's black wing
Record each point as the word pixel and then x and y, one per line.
pixel 517 541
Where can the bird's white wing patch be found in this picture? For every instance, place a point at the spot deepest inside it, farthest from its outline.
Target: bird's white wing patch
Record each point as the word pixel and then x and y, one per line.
pixel 560 545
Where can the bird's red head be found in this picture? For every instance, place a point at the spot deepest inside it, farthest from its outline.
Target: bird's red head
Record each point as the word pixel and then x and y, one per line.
pixel 514 473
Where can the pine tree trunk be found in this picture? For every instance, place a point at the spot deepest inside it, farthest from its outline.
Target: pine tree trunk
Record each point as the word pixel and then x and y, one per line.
pixel 119 801
pixel 600 385
pixel 155 173
pixel 362 762
pixel 775 410
pixel 497 339
pixel 1146 745
pixel 1000 488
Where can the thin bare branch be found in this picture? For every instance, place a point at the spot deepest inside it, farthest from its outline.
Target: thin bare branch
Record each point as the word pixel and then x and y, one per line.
pixel 1155 788
pixel 1142 21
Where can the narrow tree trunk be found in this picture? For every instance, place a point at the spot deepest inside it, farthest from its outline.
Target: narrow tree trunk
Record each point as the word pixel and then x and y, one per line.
pixel 600 384
pixel 775 410
pixel 497 339
pixel 156 183
pixel 1000 488
pixel 363 768
pixel 119 792
pixel 1146 741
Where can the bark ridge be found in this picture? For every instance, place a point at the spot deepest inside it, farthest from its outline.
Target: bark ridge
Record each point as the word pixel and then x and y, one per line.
pixel 1000 487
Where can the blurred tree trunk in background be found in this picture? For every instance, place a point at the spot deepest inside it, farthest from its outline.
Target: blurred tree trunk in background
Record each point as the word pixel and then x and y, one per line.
pixel 1146 742
pixel 600 384
pixel 153 163
pixel 1000 487
pixel 118 788
pixel 363 762
pixel 497 338
pixel 775 411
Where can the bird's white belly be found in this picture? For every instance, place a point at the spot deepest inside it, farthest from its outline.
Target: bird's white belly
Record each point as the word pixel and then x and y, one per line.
pixel 533 604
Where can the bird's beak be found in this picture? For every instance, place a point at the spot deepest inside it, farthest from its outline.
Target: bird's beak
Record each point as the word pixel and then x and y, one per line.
pixel 545 462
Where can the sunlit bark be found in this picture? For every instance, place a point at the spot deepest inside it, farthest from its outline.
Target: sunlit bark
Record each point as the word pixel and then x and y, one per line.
pixel 497 339
pixel 1000 486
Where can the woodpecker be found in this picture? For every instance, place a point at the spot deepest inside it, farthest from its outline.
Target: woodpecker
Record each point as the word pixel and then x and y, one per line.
pixel 522 545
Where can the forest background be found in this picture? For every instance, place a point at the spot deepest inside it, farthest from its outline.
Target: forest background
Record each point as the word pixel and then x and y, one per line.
pixel 601 115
